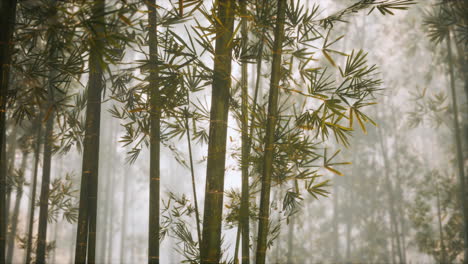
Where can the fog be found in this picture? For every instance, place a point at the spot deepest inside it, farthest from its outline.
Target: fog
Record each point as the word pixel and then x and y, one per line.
pixel 368 155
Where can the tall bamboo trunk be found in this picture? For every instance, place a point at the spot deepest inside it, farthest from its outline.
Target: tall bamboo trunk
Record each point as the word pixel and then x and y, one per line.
pixel 350 210
pixel 48 144
pixel 192 172
pixel 256 82
pixel 290 241
pixel 278 239
pixel 214 191
pixel 270 133
pixel 5 191
pixel 460 160
pixel 441 230
pixel 103 216
pixel 391 199
pixel 16 211
pixel 7 22
pixel 392 238
pixel 110 223
pixel 105 198
pixel 237 245
pixel 335 231
pixel 32 202
pixel 399 191
pixel 11 151
pixel 155 137
pixel 244 206
pixel 10 156
pixel 348 234
pixel 123 228
pixel 86 232
pixel 463 61
pixel 58 222
pixel 46 168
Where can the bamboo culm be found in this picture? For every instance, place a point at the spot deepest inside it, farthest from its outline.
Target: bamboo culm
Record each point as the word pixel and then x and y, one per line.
pixel 460 159
pixel 46 169
pixel 244 207
pixel 7 22
pixel 32 203
pixel 214 190
pixel 270 133
pixel 86 232
pixel 155 134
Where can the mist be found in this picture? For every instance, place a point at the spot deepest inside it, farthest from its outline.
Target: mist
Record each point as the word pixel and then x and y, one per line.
pixel 250 131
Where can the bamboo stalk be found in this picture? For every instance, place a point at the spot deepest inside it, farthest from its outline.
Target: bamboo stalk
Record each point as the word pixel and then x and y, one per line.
pixel 214 191
pixel 192 172
pixel 46 168
pixel 244 206
pixel 32 203
pixel 7 22
pixel 86 232
pixel 155 131
pixel 460 159
pixel 391 198
pixel 16 211
pixel 270 133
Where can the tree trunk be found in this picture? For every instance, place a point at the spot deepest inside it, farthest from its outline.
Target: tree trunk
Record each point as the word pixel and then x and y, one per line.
pixel 349 216
pixel 270 133
pixel 5 195
pixel 256 82
pixel 16 211
pixel 290 241
pixel 391 199
pixel 401 210
pixel 155 134
pixel 399 191
pixel 123 229
pixel 348 237
pixel 10 156
pixel 7 23
pixel 335 232
pixel 392 238
pixel 111 218
pixel 86 232
pixel 214 191
pixel 463 61
pixel 32 203
pixel 441 230
pixel 109 150
pixel 237 245
pixel 192 172
pixel 351 213
pixel 47 163
pixel 105 209
pixel 460 160
pixel 244 206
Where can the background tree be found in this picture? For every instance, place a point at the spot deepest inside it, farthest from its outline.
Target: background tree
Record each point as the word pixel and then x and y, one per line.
pixel 8 14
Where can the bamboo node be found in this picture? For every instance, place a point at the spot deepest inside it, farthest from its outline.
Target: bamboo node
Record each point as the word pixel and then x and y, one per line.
pixel 216 192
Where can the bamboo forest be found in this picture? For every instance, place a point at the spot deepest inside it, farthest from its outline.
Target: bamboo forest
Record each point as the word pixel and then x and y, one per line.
pixel 234 131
